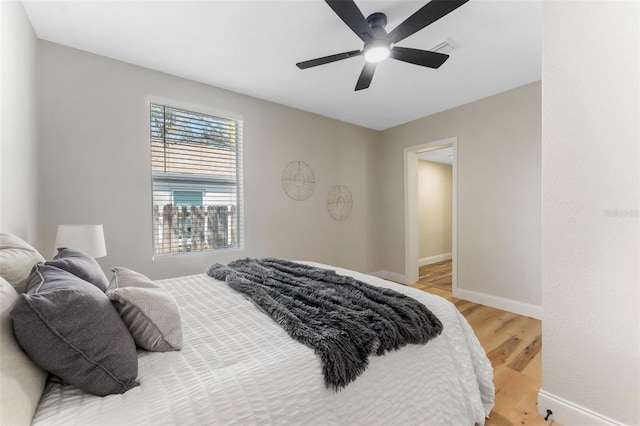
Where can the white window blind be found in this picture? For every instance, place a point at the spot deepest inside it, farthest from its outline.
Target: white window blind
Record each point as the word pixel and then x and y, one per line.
pixel 196 163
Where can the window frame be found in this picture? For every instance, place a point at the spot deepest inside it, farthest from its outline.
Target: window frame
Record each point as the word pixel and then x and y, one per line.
pixel 162 179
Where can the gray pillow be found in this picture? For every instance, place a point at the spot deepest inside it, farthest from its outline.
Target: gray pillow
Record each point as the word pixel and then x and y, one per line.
pixel 70 328
pixel 150 312
pixel 81 265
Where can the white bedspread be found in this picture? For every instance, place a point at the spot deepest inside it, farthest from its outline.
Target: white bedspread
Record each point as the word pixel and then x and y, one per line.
pixel 238 366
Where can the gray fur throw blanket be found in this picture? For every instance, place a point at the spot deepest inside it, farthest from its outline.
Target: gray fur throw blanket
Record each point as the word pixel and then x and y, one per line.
pixel 344 320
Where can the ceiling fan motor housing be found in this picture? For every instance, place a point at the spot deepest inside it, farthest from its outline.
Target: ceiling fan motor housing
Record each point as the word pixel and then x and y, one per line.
pixel 378 21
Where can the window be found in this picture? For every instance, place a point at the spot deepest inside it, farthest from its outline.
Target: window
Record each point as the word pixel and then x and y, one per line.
pixel 196 165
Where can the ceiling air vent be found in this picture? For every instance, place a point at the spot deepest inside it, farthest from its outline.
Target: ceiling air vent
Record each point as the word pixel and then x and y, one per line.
pixel 445 47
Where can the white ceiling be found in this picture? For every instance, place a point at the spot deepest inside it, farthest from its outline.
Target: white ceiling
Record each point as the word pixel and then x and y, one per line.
pixel 251 47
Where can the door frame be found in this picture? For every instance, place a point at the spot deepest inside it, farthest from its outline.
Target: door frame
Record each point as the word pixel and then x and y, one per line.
pixel 411 196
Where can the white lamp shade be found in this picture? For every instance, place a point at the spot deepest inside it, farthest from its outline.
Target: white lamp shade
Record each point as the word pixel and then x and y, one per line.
pixel 88 239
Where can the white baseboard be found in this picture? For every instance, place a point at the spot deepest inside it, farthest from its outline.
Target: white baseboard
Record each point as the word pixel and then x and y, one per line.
pixel 391 276
pixel 434 259
pixel 568 413
pixel 510 305
pixel 520 308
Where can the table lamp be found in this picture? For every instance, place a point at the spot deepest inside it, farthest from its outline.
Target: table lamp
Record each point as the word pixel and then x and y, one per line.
pixel 88 239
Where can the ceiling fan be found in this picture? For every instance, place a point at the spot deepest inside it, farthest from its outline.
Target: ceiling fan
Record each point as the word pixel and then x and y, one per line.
pixel 378 44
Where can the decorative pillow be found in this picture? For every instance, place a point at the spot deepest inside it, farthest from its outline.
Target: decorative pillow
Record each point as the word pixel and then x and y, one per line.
pixel 150 312
pixel 21 381
pixel 17 258
pixel 81 265
pixel 70 328
pixel 123 277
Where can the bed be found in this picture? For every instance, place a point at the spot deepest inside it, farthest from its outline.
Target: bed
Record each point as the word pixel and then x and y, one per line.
pixel 237 366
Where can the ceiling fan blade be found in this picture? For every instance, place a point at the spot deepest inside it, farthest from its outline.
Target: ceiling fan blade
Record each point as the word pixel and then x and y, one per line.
pixel 426 15
pixel 328 59
pixel 353 17
pixel 366 75
pixel 418 57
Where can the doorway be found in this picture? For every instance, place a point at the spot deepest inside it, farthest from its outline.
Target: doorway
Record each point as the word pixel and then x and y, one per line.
pixel 435 180
pixel 411 207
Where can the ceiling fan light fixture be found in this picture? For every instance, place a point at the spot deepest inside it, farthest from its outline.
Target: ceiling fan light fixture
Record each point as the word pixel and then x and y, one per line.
pixel 376 53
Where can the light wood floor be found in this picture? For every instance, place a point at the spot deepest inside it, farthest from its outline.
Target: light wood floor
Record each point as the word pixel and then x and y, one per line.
pixel 513 344
pixel 436 274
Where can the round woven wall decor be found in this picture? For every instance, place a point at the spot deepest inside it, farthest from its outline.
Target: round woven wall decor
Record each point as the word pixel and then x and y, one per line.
pixel 339 202
pixel 298 180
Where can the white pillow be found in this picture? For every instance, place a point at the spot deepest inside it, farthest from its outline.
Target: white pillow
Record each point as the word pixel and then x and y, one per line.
pixel 21 381
pixel 149 312
pixel 17 258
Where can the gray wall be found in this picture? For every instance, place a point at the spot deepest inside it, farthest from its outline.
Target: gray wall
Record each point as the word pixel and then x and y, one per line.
pixel 95 166
pixel 591 198
pixel 18 135
pixel 498 200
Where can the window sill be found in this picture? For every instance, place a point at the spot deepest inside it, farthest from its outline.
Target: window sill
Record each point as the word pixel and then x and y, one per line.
pixel 172 256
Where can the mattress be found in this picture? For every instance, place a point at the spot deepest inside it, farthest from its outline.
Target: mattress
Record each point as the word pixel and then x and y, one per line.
pixel 237 366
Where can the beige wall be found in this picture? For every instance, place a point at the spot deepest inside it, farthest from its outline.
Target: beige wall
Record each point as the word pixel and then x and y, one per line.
pixel 434 208
pixel 18 135
pixel 498 181
pixel 94 161
pixel 591 224
pixel 95 166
